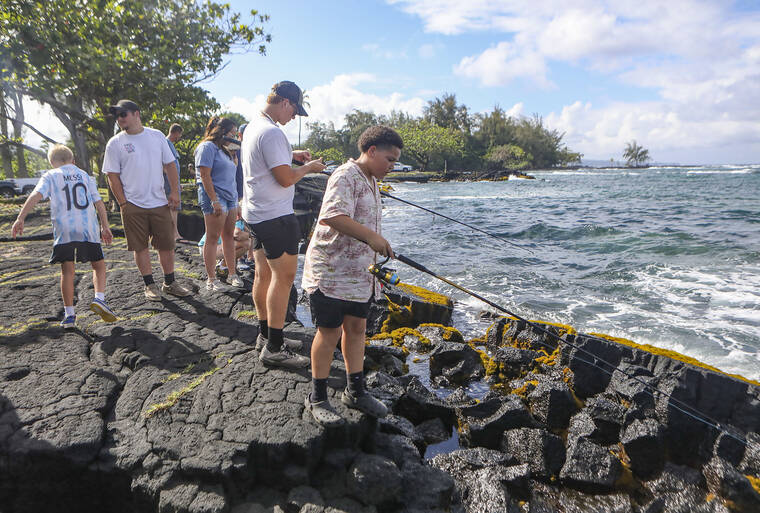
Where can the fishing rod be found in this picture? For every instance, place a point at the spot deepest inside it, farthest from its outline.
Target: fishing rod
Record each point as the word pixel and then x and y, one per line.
pixel 390 276
pixel 388 195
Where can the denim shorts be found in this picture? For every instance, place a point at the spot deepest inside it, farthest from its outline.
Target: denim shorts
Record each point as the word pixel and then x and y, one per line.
pixel 205 202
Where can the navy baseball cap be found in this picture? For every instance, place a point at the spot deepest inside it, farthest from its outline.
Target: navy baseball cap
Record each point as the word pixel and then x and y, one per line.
pixel 289 90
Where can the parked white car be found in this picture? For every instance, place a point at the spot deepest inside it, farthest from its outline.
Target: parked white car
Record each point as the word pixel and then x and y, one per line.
pixel 398 166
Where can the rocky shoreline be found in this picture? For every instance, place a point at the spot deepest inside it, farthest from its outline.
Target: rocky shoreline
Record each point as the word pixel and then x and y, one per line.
pixel 169 409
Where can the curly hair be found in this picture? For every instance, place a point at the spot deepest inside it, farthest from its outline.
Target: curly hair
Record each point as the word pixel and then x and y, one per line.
pixel 379 135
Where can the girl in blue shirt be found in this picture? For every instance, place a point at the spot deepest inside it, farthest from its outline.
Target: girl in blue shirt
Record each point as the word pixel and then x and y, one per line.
pixel 215 167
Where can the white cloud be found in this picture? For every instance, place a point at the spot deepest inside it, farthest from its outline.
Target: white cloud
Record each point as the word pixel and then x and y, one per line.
pixel 601 133
pixel 502 63
pixel 700 57
pixel 331 102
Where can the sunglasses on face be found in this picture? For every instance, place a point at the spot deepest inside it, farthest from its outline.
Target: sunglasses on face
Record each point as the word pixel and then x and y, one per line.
pixel 122 114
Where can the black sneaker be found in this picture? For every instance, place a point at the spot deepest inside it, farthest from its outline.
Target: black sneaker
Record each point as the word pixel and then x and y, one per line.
pixel 323 412
pixel 365 404
pixel 284 358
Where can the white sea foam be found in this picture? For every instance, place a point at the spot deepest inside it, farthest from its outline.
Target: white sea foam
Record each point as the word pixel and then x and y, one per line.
pixel 743 171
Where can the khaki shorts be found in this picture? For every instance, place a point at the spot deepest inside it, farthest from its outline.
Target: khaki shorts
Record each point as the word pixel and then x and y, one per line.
pixel 142 225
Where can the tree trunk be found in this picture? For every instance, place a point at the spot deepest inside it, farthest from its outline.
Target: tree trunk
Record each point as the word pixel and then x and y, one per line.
pixel 6 158
pixel 18 126
pixel 76 132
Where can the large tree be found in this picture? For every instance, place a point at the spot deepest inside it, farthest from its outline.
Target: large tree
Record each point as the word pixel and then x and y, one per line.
pixel 80 56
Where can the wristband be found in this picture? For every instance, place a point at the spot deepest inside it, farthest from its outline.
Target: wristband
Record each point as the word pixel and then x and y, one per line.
pixel 216 201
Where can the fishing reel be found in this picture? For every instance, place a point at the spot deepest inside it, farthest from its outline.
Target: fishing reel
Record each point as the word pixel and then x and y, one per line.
pixel 388 276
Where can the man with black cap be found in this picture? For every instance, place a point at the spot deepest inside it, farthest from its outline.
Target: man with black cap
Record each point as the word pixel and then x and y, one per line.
pixel 135 161
pixel 269 181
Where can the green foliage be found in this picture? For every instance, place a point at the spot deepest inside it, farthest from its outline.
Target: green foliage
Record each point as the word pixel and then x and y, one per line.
pixel 80 56
pixel 635 155
pixel 446 113
pixel 422 140
pixel 507 156
pixel 447 135
pixel 330 154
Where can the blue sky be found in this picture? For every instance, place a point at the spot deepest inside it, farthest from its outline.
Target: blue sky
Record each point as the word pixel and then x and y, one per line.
pixel 681 77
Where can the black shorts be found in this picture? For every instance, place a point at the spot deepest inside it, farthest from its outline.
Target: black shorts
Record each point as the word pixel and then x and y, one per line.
pixel 85 252
pixel 277 236
pixel 328 312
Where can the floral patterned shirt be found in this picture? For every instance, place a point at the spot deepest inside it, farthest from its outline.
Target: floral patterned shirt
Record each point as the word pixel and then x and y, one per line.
pixel 336 263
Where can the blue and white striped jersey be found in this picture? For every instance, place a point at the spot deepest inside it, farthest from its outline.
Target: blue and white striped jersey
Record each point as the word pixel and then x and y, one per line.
pixel 72 194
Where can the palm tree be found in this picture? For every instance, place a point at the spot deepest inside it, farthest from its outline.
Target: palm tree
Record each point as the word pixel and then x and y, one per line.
pixel 305 104
pixel 635 154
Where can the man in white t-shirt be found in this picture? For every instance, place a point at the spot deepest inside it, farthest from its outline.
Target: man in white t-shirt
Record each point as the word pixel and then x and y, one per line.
pixel 136 160
pixel 268 191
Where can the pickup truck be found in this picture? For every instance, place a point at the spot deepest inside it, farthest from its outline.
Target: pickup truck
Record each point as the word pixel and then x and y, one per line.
pixel 398 166
pixel 7 189
pixel 18 186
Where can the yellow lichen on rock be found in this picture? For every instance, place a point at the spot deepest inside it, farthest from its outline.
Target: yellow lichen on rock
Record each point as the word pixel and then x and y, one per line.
pixel 523 390
pixel 755 482
pixel 490 365
pixel 673 355
pixel 449 333
pixel 548 359
pixel 427 295
pixel 398 316
pixel 398 335
pixel 564 329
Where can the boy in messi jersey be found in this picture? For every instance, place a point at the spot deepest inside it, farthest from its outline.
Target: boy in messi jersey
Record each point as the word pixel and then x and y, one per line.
pixel 74 199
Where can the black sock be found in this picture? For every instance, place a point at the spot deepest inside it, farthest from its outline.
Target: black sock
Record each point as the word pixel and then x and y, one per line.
pixel 169 278
pixel 356 384
pixel 263 329
pixel 318 390
pixel 148 279
pixel 274 341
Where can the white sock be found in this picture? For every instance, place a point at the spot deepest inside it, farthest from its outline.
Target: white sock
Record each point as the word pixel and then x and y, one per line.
pixel 69 310
pixel 100 295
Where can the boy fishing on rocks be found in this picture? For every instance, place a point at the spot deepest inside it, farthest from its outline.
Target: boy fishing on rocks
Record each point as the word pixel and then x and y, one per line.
pixel 345 242
pixel 74 199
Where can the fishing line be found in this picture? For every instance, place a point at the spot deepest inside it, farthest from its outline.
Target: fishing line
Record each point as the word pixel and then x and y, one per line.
pixel 390 277
pixel 388 195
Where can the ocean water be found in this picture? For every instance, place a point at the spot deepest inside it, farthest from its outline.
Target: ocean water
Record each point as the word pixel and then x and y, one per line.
pixel 662 256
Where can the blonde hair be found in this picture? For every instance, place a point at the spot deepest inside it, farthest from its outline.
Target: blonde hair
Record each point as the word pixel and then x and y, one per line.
pixel 274 98
pixel 60 153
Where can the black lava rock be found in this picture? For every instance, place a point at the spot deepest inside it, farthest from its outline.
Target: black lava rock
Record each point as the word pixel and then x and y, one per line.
pixel 590 467
pixel 542 451
pixel 374 480
pixel 644 444
pixel 482 425
pixel 552 403
pixel 459 363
